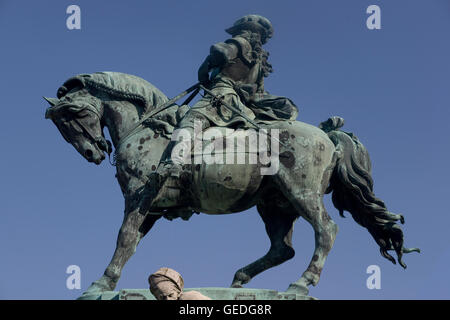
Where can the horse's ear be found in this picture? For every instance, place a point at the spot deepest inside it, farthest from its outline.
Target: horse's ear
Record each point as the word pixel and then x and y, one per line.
pixel 52 101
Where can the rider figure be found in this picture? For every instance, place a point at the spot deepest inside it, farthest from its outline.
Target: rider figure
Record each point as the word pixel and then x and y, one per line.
pixel 238 67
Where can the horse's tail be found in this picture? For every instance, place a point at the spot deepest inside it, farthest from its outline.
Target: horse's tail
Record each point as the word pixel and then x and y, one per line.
pixel 352 187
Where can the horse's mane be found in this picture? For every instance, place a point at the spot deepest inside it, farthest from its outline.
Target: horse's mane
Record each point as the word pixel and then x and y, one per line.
pixel 119 85
pixel 130 88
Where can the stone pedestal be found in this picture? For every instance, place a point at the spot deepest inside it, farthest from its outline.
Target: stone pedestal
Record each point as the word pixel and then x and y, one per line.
pixel 212 292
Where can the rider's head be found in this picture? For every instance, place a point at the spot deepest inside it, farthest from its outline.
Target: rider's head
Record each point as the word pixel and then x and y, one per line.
pixel 254 23
pixel 166 284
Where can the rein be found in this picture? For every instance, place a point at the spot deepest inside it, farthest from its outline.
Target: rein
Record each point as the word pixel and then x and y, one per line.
pixel 152 113
pixel 100 141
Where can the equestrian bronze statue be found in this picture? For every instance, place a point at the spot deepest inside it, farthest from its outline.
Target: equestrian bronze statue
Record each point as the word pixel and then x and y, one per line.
pixel 302 162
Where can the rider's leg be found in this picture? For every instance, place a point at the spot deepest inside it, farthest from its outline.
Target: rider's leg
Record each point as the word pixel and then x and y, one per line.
pixel 178 154
pixel 179 151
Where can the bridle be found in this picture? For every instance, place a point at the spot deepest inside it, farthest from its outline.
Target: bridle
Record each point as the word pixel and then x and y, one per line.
pixel 100 141
pixel 106 145
pixel 149 114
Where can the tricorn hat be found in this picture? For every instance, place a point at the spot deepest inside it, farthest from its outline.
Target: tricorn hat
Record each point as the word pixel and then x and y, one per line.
pixel 253 22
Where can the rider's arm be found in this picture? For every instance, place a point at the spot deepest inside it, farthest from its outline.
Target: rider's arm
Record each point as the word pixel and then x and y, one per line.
pixel 203 71
pixel 219 55
pixel 222 53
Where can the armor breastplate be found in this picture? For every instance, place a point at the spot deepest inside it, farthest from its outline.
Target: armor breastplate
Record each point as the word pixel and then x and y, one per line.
pixel 239 71
pixel 246 67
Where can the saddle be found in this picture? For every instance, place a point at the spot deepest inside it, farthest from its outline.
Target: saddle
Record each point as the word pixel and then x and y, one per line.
pixel 224 145
pixel 224 161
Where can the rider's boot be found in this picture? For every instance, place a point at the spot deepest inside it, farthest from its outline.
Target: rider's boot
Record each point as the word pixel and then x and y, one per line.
pixel 169 192
pixel 172 178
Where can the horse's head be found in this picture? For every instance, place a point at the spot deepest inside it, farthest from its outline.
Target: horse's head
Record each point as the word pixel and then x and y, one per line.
pixel 77 115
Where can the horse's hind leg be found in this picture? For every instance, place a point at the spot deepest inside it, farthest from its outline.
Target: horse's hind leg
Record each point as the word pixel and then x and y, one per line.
pixel 134 227
pixel 313 210
pixel 303 177
pixel 279 223
pixel 309 204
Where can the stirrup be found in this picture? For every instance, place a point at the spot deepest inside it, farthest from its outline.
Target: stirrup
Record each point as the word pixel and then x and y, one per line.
pixel 169 193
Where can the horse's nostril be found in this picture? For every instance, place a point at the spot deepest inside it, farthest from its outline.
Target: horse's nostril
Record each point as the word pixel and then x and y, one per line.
pixel 88 153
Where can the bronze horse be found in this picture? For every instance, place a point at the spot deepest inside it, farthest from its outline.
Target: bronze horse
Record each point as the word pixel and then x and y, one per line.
pixel 312 162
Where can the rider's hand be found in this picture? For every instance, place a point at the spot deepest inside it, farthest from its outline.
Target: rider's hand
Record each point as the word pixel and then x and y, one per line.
pixel 203 78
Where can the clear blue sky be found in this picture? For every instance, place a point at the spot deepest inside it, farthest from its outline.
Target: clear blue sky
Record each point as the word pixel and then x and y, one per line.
pixel 392 86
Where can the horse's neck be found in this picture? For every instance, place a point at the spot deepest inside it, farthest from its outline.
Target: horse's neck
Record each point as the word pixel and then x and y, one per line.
pixel 142 146
pixel 120 117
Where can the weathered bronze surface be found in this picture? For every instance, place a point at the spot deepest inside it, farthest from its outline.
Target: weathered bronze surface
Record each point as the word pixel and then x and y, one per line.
pixel 313 161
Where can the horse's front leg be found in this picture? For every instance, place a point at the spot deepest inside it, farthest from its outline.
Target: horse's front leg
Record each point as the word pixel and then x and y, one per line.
pixel 134 227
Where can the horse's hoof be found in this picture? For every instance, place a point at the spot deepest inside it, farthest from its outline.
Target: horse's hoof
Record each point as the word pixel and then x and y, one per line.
pixel 98 286
pixel 239 279
pixel 298 289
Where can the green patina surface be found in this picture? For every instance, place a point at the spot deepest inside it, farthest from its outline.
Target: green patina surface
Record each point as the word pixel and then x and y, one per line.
pixel 212 292
pixel 309 161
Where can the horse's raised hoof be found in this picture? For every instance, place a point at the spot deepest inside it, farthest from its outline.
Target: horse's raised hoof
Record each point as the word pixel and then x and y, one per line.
pixel 297 288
